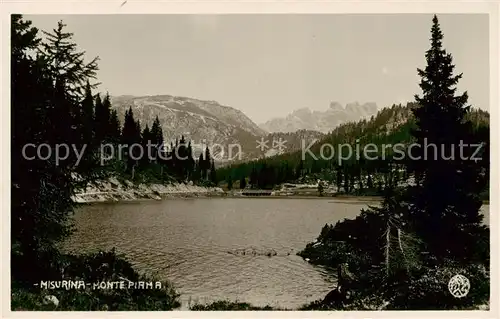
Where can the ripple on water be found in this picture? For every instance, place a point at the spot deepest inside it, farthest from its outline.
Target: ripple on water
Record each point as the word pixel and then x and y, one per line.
pixel 188 243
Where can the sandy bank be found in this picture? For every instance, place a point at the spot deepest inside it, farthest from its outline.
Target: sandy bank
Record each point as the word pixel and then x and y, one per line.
pixel 113 190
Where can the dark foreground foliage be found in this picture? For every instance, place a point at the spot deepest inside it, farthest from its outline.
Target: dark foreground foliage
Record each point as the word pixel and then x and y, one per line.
pixel 97 267
pixel 228 305
pixel 404 253
pixel 424 287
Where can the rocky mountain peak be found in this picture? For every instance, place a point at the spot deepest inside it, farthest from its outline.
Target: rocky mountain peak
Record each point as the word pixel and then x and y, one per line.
pixel 336 106
pixel 322 121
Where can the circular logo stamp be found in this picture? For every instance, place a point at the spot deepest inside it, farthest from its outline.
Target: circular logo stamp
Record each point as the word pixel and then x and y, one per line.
pixel 459 286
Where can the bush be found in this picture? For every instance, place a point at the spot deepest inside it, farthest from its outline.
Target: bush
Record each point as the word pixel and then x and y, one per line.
pixel 430 289
pixel 414 281
pixel 228 305
pixel 357 242
pixel 101 266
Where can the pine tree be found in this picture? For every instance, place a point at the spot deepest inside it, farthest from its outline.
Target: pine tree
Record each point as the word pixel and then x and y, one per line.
pixel 157 136
pixel 205 161
pixel 113 130
pixel 182 158
pixel 146 138
pixel 41 190
pixel 446 203
pixel 347 180
pixel 213 174
pixel 299 170
pixel 201 168
pixel 190 164
pixel 196 176
pixel 102 126
pixel 87 116
pixel 129 137
pixel 67 64
pixel 65 128
pixel 254 177
pixel 98 126
pixel 339 178
pixel 243 182
pixel 71 74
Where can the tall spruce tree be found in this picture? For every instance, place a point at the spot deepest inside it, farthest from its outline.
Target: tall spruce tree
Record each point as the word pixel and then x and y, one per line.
pixel 73 78
pixel 113 131
pixel 99 118
pixel 130 136
pixel 213 173
pixel 41 188
pixel 64 62
pixel 182 155
pixel 190 165
pixel 243 182
pixel 146 139
pixel 156 136
pixel 102 130
pixel 446 202
pixel 204 162
pixel 89 163
pixel 254 176
pixel 87 116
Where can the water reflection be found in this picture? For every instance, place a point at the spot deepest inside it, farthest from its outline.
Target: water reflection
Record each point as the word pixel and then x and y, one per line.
pixel 189 242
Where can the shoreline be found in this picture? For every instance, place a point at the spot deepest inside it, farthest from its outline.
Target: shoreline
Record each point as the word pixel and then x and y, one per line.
pixel 112 197
pixel 114 191
pixel 150 193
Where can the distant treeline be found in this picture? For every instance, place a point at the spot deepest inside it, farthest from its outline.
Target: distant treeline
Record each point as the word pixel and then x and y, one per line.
pixel 389 126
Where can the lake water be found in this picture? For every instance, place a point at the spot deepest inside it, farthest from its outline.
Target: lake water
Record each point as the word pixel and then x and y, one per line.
pixel 190 242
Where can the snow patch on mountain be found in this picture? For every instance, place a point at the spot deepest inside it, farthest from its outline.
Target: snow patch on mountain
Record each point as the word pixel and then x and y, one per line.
pixel 322 121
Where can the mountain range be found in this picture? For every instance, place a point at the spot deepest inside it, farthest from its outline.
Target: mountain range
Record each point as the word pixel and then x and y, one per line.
pixel 208 123
pixel 321 121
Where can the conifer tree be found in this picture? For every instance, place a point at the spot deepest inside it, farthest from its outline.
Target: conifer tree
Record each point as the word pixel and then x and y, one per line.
pixel 202 172
pixel 156 135
pixel 113 131
pixel 103 130
pixel 87 116
pixel 68 69
pixel 205 163
pixel 243 182
pixel 41 110
pixel 190 163
pixel 446 203
pixel 213 174
pixel 146 137
pixel 196 176
pixel 182 155
pixel 98 126
pixel 254 177
pixel 84 123
pixel 64 62
pixel 299 169
pixel 129 137
pixel 339 178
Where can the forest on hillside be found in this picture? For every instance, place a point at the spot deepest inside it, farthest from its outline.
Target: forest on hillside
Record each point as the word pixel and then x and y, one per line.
pixel 350 174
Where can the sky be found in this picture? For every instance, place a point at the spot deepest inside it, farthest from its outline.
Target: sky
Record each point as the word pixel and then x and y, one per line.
pixel 269 65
